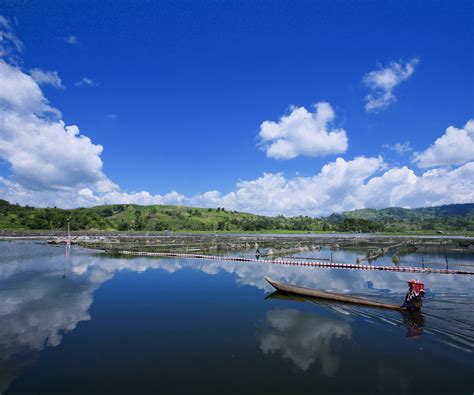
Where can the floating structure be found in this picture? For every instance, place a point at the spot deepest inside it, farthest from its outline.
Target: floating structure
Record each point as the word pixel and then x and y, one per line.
pixel 299 263
pixel 271 246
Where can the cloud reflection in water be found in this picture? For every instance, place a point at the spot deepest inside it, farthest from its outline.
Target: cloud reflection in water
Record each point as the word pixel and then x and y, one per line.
pixel 303 338
pixel 39 306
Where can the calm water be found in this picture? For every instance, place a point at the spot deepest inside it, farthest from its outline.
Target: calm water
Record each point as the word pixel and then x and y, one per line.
pixel 100 325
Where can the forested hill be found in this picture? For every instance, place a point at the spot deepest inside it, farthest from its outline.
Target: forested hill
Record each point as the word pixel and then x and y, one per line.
pixel 401 214
pixel 130 217
pixel 451 217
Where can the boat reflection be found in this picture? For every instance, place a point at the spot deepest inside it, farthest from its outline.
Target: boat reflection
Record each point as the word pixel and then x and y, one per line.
pixel 413 321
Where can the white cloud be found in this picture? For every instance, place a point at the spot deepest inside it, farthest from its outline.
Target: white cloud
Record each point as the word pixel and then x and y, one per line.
pixel 10 44
pixel 346 185
pixel 439 186
pixel 303 133
pixel 31 133
pixel 85 81
pixel 71 39
pixel 273 194
pixel 42 152
pixel 47 78
pixel 53 164
pixel 47 154
pixel 20 93
pixel 340 185
pixel 399 148
pixel 383 81
pixel 455 147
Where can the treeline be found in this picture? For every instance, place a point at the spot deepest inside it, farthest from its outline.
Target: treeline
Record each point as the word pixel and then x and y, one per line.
pixel 128 217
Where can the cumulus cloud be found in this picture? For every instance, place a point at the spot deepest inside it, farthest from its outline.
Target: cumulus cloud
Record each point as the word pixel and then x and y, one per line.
pixel 346 185
pixel 383 81
pixel 272 194
pixel 47 78
pixel 43 175
pixel 303 133
pixel 20 94
pixel 339 186
pixel 439 186
pixel 85 81
pixel 31 132
pixel 54 164
pixel 455 147
pixel 30 145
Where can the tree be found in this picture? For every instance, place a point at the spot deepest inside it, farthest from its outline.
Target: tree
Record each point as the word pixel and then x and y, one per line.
pixel 122 226
pixel 108 212
pixel 159 226
pixel 139 225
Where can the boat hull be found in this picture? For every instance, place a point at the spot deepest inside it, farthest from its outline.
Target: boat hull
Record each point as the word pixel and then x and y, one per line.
pixel 313 293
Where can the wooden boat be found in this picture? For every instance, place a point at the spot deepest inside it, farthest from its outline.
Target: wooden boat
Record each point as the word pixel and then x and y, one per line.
pixel 313 293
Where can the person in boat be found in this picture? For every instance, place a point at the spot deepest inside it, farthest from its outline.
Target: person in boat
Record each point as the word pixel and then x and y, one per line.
pixel 414 297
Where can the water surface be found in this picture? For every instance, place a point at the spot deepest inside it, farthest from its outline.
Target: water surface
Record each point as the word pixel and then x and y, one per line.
pixel 95 324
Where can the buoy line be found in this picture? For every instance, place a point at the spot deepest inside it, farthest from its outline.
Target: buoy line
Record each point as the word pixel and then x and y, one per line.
pixel 299 263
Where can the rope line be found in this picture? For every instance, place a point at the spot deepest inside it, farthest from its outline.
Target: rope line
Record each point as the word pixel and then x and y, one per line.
pixel 300 263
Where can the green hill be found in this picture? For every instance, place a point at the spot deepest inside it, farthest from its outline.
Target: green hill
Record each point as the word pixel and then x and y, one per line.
pixel 131 217
pixel 398 213
pixel 452 217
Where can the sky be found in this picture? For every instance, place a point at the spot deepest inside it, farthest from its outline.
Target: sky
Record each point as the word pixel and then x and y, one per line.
pixel 271 107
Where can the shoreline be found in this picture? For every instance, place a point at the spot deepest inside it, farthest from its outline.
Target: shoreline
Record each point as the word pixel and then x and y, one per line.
pixel 43 234
pixel 268 244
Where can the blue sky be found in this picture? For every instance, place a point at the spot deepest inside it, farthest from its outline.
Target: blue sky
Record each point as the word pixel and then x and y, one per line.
pixel 176 94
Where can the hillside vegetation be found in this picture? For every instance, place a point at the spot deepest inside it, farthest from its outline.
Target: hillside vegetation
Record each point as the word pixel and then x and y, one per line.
pixel 130 217
pixel 452 217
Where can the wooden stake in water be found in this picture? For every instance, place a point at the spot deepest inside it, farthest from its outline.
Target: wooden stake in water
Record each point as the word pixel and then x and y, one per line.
pixel 68 247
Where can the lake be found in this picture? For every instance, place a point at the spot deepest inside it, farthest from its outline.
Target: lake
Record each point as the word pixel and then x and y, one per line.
pixel 95 324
